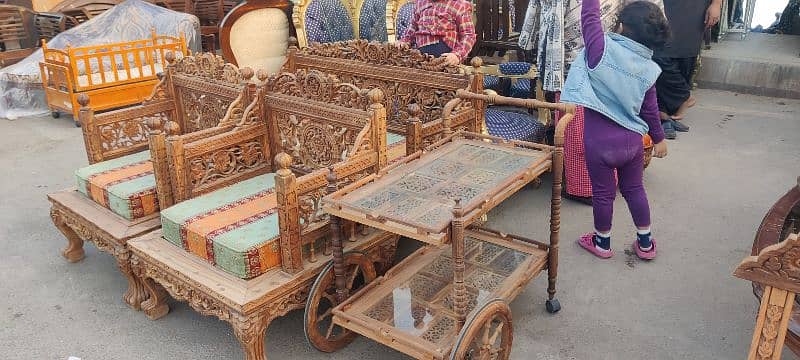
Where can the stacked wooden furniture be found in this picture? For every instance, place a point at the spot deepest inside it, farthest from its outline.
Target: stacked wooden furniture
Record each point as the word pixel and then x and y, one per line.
pixel 406 77
pixel 82 10
pixel 246 235
pixel 117 197
pixel 18 37
pixel 49 24
pixel 775 232
pixel 112 75
pixel 497 25
pixel 450 298
pixel 249 26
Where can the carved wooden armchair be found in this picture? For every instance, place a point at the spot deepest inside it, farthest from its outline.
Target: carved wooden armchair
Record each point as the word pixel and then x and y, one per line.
pixel 324 21
pixel 246 234
pixel 117 197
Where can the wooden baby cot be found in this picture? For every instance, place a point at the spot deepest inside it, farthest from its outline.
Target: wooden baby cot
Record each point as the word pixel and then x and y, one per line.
pixel 112 75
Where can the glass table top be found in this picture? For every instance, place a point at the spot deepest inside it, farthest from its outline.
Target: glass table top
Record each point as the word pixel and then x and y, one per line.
pixel 423 192
pixel 422 306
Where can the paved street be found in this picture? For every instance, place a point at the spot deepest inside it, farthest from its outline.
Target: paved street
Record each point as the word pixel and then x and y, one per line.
pixel 708 196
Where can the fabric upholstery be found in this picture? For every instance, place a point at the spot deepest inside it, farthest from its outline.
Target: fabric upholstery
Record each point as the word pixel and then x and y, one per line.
pixel 252 31
pixel 404 16
pixel 515 68
pixel 372 21
pixel 521 89
pixel 514 125
pixel 396 147
pixel 328 21
pixel 491 82
pixel 234 228
pixel 125 185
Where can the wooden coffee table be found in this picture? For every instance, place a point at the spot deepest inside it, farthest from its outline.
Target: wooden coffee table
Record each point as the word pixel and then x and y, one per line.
pixel 450 298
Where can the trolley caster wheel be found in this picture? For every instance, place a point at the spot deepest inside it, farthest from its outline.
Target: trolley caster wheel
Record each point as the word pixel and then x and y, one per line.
pixel 55 114
pixel 488 334
pixel 77 124
pixel 318 325
pixel 553 306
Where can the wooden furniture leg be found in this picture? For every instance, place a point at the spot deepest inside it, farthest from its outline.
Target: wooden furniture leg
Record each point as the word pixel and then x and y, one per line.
pixel 155 307
pixel 136 293
pixel 460 301
pixel 336 241
pixel 74 250
pixel 552 304
pixel 251 333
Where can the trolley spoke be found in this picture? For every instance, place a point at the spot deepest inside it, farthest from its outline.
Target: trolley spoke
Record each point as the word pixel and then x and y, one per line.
pixel 353 277
pixel 330 330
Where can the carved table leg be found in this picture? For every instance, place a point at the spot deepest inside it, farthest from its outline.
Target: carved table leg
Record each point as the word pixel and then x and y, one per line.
pixel 771 324
pixel 74 250
pixel 136 293
pixel 251 333
pixel 155 307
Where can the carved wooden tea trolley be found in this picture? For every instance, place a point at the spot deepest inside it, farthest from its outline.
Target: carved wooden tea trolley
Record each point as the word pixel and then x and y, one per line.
pixel 449 299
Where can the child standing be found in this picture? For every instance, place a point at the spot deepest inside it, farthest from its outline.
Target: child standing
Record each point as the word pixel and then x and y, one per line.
pixel 442 28
pixel 613 78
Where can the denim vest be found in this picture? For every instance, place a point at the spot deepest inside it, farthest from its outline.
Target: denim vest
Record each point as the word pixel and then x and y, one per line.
pixel 617 85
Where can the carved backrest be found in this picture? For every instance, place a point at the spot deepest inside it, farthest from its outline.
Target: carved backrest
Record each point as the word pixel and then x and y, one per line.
pixel 324 21
pixel 16 27
pixel 405 75
pixel 203 86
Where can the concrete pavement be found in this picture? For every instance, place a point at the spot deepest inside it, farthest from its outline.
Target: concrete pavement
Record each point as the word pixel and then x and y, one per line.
pixel 707 197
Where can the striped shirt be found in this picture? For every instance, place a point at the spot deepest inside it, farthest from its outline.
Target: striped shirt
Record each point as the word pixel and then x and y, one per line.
pixel 448 21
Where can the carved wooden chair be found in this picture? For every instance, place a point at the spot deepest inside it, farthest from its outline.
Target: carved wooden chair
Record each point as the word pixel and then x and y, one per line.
pixel 782 220
pixel 18 37
pixel 324 21
pixel 246 235
pixel 117 197
pixel 250 25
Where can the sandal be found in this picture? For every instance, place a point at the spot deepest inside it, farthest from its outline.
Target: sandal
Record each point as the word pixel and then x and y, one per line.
pixel 645 255
pixel 587 242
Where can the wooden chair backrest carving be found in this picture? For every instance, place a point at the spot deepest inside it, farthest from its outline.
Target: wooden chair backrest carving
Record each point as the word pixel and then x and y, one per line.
pixel 406 76
pixel 313 121
pixel 16 28
pixel 777 268
pixel 260 24
pixel 194 93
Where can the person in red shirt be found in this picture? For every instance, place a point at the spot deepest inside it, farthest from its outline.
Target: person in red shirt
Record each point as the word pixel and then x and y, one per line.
pixel 442 28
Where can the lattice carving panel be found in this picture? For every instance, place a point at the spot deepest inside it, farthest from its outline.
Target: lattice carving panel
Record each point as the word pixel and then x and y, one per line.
pixel 423 193
pixel 127 133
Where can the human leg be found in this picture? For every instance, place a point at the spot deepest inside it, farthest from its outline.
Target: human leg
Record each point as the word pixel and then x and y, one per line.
pixel 672 87
pixel 632 188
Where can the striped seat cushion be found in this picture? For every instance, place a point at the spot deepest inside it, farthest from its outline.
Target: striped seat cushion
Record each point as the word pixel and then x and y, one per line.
pixel 234 228
pixel 513 125
pixel 125 185
pixel 396 146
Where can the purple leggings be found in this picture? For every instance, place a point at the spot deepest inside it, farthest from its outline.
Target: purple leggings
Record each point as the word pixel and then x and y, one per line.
pixel 611 147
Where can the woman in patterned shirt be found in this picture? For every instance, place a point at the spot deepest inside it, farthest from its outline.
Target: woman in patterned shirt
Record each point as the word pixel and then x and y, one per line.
pixel 442 28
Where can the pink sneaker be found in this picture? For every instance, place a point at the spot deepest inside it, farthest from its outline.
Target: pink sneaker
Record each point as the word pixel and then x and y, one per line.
pixel 587 242
pixel 645 255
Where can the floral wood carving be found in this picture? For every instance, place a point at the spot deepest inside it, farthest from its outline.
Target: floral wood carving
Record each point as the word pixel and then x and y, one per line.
pixel 126 133
pixel 380 54
pixel 776 265
pixel 318 86
pixel 203 111
pixel 210 67
pixel 311 143
pixel 226 162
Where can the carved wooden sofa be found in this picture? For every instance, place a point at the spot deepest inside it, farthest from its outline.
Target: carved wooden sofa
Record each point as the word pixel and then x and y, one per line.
pixel 116 197
pixel 246 236
pixel 407 77
pixel 256 34
pixel 17 34
pixel 112 75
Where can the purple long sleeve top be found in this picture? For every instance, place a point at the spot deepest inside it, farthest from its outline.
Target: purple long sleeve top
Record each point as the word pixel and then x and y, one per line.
pixel 594 41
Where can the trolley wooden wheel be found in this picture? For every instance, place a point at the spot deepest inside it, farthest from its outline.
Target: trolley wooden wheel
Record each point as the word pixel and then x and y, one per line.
pixel 487 335
pixel 318 324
